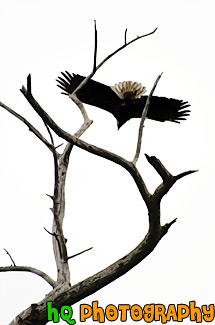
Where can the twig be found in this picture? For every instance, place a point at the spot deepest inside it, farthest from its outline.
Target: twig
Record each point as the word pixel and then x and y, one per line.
pixel 49 232
pixel 166 227
pixel 51 137
pixel 160 168
pixel 95 50
pixel 145 110
pixel 108 57
pixel 179 176
pixel 126 35
pixel 123 46
pixel 29 84
pixel 10 257
pixel 51 196
pixel 43 275
pixel 79 253
pixel 56 237
pixel 31 127
pixel 59 146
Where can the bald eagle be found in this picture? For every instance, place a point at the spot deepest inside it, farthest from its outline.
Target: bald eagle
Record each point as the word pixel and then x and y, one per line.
pixel 124 100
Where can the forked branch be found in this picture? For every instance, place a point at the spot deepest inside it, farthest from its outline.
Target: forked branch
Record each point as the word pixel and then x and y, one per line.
pixel 168 179
pixel 95 68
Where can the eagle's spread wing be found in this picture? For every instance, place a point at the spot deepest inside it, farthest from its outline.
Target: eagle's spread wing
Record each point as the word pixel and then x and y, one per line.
pixel 124 107
pixel 93 93
pixel 163 109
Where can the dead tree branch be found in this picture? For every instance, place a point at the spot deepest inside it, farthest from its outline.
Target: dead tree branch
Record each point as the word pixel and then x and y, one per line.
pixel 50 135
pixel 71 295
pixel 73 96
pixel 168 179
pixel 145 111
pixel 122 47
pixel 13 263
pixel 161 170
pixel 95 47
pixel 43 275
pixel 79 253
pixel 87 121
pixel 31 127
pixel 126 35
pixel 60 170
pixel 107 58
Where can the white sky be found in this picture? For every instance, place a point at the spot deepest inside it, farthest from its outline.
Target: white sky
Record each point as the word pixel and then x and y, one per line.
pixel 104 208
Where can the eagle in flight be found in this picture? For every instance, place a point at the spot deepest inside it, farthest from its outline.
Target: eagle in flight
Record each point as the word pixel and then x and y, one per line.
pixel 124 100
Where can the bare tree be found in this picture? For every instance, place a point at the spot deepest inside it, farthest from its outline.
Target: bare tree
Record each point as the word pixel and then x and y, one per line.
pixel 62 293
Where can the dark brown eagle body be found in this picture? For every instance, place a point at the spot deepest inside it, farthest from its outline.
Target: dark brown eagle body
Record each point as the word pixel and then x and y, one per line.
pixel 127 105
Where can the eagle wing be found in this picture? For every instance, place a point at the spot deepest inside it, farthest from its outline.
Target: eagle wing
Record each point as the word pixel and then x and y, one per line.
pixel 92 93
pixel 162 109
